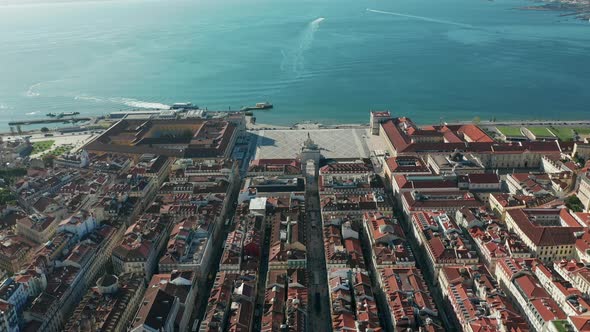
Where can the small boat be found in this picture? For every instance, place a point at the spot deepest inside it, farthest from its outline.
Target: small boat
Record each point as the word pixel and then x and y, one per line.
pixel 184 106
pixel 264 105
pixel 62 114
pixel 259 106
pixel 51 115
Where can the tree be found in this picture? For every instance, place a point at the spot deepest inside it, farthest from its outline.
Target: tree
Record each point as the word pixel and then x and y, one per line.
pixel 6 196
pixel 44 129
pixel 9 175
pixel 573 203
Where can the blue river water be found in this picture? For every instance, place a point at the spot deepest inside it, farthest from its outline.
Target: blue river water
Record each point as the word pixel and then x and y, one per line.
pixel 322 60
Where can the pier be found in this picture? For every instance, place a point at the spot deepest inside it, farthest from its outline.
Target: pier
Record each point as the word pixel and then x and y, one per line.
pixel 31 122
pixel 19 124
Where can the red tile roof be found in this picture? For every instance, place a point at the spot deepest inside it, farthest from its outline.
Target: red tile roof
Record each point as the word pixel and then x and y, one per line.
pixel 474 133
pixel 543 235
pixel 581 323
pixel 397 139
pixel 346 168
pixel 481 142
pixel 406 164
pixel 403 182
pixel 531 287
pixel 483 178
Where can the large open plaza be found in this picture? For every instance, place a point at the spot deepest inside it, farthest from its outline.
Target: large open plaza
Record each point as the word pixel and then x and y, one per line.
pixel 334 143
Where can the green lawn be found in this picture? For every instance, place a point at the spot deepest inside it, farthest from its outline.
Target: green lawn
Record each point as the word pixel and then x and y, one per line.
pixel 42 146
pixel 509 130
pixel 582 130
pixel 560 325
pixel 539 131
pixel 564 133
pixel 58 151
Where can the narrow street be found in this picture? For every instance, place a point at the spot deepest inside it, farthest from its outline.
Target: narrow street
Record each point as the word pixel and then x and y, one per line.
pixel 319 304
pixel 262 274
pixel 380 297
pixel 421 264
pixel 206 282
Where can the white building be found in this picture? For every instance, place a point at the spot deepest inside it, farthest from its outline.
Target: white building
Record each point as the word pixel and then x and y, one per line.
pixel 79 224
pixel 258 206
pixel 584 192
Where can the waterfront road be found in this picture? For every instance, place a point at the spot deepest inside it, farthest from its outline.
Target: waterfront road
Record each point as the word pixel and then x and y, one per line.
pixel 319 304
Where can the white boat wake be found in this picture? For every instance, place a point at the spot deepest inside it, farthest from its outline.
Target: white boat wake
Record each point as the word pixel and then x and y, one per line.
pixel 31 91
pixel 318 20
pixel 89 98
pixel 422 18
pixel 124 101
pixel 139 103
pixel 296 58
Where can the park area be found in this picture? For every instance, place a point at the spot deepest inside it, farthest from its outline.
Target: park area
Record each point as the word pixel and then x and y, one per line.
pixel 58 151
pixel 42 146
pixel 564 133
pixel 582 130
pixel 509 131
pixel 50 148
pixel 540 131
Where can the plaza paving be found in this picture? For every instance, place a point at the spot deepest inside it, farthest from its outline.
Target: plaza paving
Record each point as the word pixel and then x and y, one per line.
pixel 334 143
